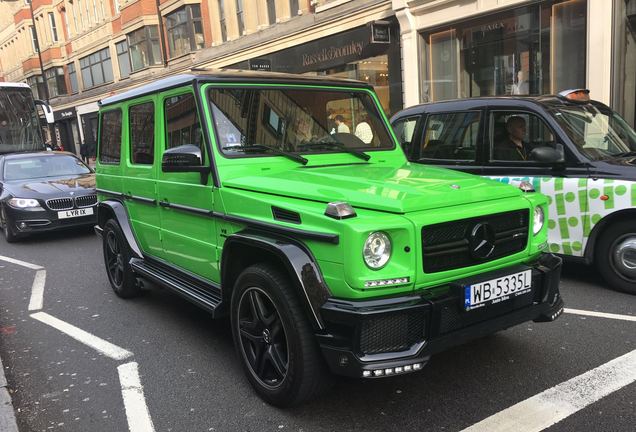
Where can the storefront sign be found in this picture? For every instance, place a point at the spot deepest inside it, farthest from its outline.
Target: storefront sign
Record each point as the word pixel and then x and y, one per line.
pixel 260 64
pixel 380 33
pixel 64 114
pixel 333 53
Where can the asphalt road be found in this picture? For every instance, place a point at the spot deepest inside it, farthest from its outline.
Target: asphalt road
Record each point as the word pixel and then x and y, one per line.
pixel 192 381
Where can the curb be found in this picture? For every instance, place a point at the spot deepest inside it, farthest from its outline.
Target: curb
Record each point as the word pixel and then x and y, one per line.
pixel 7 415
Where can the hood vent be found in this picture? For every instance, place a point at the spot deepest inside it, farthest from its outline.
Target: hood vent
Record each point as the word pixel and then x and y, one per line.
pixel 285 215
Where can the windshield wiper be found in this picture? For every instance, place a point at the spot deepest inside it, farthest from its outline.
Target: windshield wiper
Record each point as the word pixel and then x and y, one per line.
pixel 337 145
pixel 247 148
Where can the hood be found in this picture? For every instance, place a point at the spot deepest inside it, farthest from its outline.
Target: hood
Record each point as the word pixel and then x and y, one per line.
pixel 53 187
pixel 408 188
pixel 616 168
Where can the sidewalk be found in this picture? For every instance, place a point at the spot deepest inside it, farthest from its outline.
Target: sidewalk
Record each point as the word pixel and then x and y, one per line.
pixel 7 416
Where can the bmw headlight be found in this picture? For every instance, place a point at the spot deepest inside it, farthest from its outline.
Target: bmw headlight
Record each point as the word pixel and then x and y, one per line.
pixel 24 203
pixel 538 220
pixel 377 250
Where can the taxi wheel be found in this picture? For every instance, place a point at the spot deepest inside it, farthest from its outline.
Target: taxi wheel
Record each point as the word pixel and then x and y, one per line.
pixel 616 256
pixel 274 340
pixel 116 258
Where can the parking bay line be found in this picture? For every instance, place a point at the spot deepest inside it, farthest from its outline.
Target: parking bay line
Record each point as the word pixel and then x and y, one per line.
pixel 555 404
pixel 600 314
pixel 37 291
pixel 132 391
pixel 106 348
pixel 21 263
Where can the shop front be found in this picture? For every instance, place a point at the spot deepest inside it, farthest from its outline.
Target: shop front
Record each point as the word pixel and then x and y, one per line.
pixel 368 53
pixel 538 48
pixel 67 135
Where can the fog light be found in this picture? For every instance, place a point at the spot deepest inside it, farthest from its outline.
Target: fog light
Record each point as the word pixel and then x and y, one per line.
pixel 23 225
pixel 388 371
pixel 399 369
pixel 378 372
pixel 417 366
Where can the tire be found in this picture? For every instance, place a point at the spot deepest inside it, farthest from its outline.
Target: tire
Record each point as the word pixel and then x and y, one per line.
pixel 9 235
pixel 116 259
pixel 615 256
pixel 274 340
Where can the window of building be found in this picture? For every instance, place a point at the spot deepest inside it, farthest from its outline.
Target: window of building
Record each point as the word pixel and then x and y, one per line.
pixel 271 11
pixel 185 30
pixel 77 29
pixel 55 81
pixel 81 16
pixel 37 86
pixel 293 7
pixel 141 119
pixel 144 47
pixel 535 49
pixel 182 122
pixel 110 137
pixel 53 27
pixel 34 45
pixel 239 16
pixel 66 23
pixel 123 59
pixel 222 21
pixel 72 77
pixel 96 68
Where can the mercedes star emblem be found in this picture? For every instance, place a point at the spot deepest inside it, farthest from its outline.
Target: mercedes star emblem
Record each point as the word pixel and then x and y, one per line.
pixel 482 240
pixel 455 186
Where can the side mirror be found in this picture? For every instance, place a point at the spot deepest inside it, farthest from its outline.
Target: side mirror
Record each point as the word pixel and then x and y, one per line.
pixel 185 158
pixel 547 155
pixel 48 111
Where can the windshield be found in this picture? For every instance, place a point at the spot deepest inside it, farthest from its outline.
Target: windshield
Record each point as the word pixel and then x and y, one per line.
pixel 19 123
pixel 599 134
pixel 264 122
pixel 43 166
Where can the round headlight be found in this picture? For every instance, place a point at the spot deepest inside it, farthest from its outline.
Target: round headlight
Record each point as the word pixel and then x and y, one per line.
pixel 377 250
pixel 23 203
pixel 537 220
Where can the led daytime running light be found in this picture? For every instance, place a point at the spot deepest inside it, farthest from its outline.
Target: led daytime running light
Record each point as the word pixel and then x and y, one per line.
pixel 385 282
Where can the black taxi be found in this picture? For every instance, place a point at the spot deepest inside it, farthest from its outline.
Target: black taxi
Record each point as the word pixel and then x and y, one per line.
pixel 578 152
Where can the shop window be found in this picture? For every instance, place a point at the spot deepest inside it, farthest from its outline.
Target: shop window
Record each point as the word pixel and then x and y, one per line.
pixel 141 119
pixel 182 122
pixel 96 68
pixel 53 27
pixel 185 30
pixel 55 81
pixel 123 59
pixel 144 47
pixel 110 137
pixel 533 50
pixel 451 136
pixel 513 135
pixel 72 76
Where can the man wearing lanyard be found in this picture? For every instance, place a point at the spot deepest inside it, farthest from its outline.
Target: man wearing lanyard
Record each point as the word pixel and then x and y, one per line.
pixel 513 148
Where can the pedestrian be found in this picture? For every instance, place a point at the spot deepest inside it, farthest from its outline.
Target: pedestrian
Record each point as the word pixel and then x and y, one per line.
pixel 341 126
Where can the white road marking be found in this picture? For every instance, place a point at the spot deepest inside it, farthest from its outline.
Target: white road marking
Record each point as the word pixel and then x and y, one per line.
pixel 134 401
pixel 601 314
pixel 37 291
pixel 555 404
pixel 98 344
pixel 21 263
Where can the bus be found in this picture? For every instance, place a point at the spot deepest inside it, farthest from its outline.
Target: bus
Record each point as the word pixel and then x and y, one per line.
pixel 20 129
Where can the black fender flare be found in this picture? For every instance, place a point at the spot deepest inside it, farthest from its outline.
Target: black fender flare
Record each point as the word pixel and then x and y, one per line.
pixel 298 261
pixel 118 210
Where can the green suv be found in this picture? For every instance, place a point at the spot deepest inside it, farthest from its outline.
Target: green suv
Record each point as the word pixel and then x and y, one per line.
pixel 286 203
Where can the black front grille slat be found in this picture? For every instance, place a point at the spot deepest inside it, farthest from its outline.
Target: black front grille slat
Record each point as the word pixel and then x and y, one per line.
pixel 445 246
pixel 392 333
pixel 60 203
pixel 86 200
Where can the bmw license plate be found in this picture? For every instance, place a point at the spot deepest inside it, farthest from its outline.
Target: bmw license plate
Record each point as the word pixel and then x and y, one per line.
pixel 75 213
pixel 497 290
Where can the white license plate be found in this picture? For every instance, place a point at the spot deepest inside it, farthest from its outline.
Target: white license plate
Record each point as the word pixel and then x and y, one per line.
pixel 75 213
pixel 497 290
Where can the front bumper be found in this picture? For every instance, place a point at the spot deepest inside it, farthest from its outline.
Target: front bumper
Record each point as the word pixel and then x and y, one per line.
pixel 377 338
pixel 25 222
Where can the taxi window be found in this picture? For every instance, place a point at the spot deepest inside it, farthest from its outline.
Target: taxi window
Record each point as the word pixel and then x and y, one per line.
pixel 515 134
pixel 451 136
pixel 404 130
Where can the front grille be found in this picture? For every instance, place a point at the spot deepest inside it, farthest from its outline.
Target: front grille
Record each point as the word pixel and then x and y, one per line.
pixel 60 203
pixel 392 333
pixel 86 200
pixel 446 246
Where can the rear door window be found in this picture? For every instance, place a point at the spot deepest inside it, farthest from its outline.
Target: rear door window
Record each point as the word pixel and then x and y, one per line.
pixel 110 137
pixel 451 136
pixel 141 119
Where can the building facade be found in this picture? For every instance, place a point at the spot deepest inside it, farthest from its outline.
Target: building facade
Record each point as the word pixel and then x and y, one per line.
pixel 467 48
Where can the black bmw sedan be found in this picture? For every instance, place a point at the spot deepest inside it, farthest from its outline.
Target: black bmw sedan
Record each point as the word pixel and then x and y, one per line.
pixel 44 191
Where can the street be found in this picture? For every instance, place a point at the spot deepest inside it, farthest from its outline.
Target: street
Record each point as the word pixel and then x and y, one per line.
pixel 72 361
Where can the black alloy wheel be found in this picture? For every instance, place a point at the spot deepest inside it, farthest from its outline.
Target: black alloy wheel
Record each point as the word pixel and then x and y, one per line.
pixel 274 339
pixel 9 235
pixel 116 258
pixel 263 338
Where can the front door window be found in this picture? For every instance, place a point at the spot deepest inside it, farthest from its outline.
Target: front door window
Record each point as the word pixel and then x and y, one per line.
pixel 514 136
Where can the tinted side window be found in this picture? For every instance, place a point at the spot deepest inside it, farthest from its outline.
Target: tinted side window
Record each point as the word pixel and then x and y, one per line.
pixel 141 119
pixel 110 137
pixel 182 122
pixel 451 136
pixel 513 135
pixel 404 130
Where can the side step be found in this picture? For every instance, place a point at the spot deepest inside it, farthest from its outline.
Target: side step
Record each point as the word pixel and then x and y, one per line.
pixel 193 289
